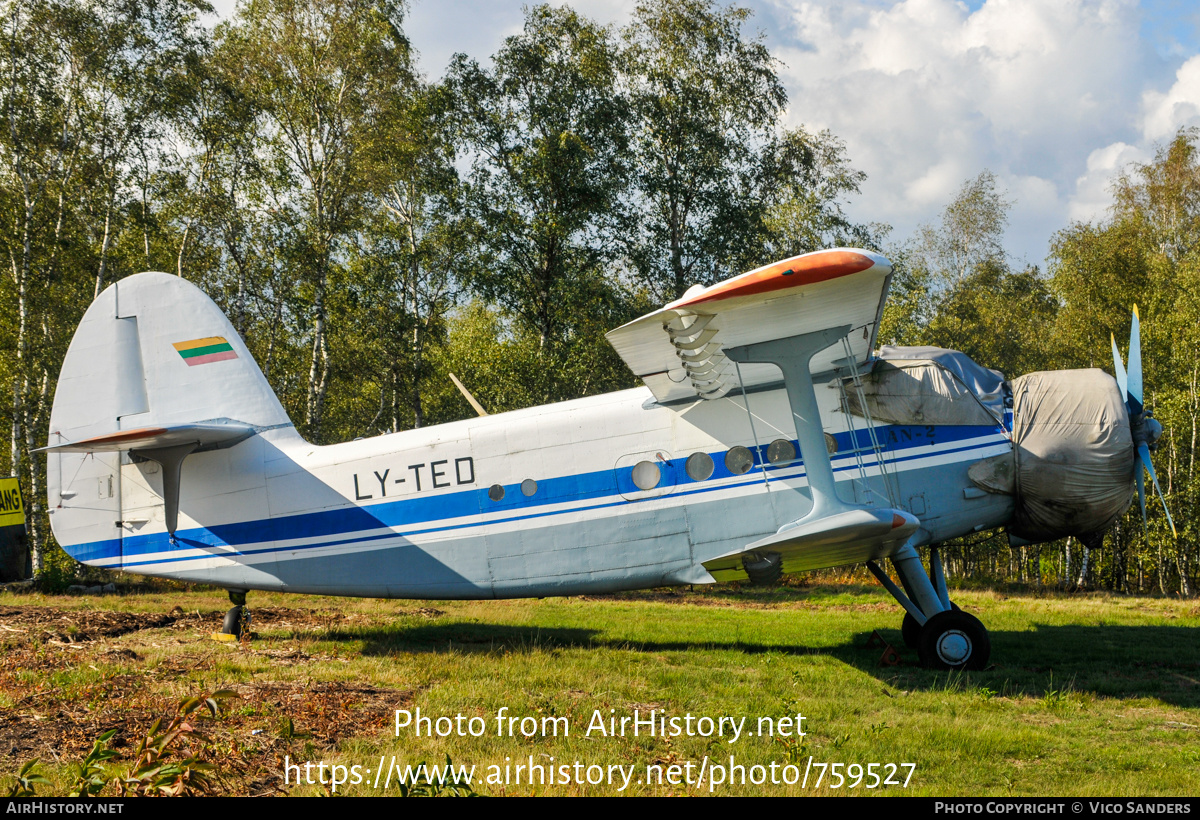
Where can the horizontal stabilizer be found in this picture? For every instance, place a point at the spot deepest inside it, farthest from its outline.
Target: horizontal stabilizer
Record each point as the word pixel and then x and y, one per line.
pixel 846 537
pixel 205 436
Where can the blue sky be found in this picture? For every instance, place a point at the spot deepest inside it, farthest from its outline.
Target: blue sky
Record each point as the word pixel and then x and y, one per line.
pixel 1054 97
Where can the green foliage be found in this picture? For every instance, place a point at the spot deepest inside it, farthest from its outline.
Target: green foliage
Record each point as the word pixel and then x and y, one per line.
pixel 58 571
pixel 970 235
pixel 506 367
pixel 320 81
pixel 155 771
pixel 1146 254
pixel 546 128
pixel 954 288
pixel 810 174
pixel 424 786
pixel 89 773
pixel 159 767
pixel 1000 318
pixel 402 274
pixel 26 779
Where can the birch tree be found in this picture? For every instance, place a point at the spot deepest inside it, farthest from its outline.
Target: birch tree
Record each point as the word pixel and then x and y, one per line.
pixel 545 128
pixel 320 76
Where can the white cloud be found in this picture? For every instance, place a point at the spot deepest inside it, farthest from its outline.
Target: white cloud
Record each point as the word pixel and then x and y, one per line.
pixel 1178 107
pixel 927 93
pixel 1093 195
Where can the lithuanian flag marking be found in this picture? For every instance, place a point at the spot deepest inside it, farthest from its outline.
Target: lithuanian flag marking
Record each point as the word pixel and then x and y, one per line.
pixel 203 351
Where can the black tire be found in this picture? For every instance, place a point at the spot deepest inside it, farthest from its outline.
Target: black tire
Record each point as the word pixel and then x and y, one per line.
pixel 910 630
pixel 237 620
pixel 954 640
pixel 763 570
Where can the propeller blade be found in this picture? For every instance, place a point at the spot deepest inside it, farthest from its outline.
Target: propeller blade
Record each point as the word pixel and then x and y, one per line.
pixel 1144 455
pixel 1134 376
pixel 1140 480
pixel 1119 369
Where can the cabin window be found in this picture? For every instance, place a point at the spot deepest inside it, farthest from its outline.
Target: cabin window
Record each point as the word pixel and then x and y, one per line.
pixel 646 475
pixel 528 487
pixel 496 492
pixel 739 460
pixel 699 466
pixel 781 451
pixel 830 444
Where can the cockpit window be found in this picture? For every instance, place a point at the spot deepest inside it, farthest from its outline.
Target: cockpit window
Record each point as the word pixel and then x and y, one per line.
pixel 913 391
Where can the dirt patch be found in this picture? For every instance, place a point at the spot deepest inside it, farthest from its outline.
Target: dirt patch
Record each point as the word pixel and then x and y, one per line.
pixel 23 624
pixel 302 720
pixel 54 708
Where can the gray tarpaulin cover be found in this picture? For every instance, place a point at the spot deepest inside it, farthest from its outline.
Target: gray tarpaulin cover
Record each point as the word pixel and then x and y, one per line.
pixel 1071 467
pixel 1074 454
pixel 930 385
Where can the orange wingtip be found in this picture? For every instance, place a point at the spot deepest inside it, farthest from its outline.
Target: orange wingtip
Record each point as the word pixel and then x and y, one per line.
pixel 795 272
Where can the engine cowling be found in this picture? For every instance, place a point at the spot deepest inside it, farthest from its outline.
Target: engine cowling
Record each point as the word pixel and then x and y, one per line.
pixel 1073 455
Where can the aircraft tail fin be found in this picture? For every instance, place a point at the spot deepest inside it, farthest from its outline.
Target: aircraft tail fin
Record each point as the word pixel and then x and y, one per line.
pixel 154 367
pixel 153 350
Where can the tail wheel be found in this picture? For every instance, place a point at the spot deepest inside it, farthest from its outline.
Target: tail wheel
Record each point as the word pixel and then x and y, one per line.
pixel 237 622
pixel 954 640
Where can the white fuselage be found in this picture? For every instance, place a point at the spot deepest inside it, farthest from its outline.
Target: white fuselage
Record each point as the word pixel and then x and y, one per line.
pixel 528 503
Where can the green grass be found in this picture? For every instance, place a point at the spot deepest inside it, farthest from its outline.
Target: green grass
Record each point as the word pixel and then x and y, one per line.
pixel 1088 695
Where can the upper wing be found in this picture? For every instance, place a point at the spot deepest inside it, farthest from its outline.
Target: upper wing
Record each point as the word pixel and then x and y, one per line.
pixel 677 350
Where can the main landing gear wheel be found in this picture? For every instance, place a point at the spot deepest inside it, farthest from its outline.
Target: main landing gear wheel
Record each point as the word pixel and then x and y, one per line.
pixel 910 630
pixel 954 640
pixel 763 569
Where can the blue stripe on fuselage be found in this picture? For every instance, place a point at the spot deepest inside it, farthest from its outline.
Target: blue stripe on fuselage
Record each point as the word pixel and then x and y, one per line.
pixel 413 511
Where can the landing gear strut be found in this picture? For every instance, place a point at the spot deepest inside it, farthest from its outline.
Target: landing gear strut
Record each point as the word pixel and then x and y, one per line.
pixel 237 619
pixel 944 636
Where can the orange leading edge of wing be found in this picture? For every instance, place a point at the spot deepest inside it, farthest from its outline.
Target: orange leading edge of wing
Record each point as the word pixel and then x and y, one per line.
pixel 805 270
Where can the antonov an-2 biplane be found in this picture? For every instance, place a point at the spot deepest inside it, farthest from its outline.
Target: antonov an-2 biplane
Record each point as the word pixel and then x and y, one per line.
pixel 769 438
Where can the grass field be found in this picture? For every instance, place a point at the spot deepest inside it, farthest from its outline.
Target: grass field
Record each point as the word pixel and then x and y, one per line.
pixel 1087 695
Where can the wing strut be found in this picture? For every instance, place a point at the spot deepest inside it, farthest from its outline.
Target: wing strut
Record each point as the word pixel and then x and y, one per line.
pixel 831 524
pixel 792 355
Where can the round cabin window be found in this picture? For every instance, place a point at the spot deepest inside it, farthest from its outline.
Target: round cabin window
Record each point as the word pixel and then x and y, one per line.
pixel 528 487
pixel 739 460
pixel 699 466
pixel 781 451
pixel 646 475
pixel 496 492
